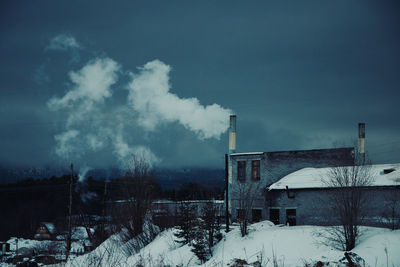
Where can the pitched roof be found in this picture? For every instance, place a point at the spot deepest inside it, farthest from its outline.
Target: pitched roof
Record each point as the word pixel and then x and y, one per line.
pixel 50 226
pixel 383 175
pixel 79 233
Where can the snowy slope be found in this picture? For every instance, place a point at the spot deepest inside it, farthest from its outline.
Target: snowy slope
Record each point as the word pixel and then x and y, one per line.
pixel 164 251
pixel 297 245
pixel 290 246
pixel 379 249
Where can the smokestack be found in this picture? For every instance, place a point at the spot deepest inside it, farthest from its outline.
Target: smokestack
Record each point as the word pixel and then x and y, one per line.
pixel 232 134
pixel 232 149
pixel 361 140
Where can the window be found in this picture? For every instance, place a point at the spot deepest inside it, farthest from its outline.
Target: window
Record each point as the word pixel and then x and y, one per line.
pixel 241 171
pixel 255 170
pixel 274 215
pixel 291 217
pixel 386 171
pixel 256 215
pixel 240 214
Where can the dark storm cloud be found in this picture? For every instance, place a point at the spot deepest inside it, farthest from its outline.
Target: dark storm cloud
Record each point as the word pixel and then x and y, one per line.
pixel 298 74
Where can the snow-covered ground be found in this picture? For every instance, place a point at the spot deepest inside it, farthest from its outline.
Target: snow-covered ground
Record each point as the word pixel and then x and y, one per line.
pixel 26 245
pixel 290 246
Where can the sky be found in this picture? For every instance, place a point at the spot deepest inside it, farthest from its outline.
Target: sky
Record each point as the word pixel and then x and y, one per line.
pixel 95 82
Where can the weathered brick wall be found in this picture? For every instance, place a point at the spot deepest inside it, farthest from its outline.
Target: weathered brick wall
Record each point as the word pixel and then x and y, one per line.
pixel 275 165
pixel 312 205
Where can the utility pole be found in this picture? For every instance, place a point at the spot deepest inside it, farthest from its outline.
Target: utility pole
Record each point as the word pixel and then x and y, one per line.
pixel 70 213
pixel 226 194
pixel 228 165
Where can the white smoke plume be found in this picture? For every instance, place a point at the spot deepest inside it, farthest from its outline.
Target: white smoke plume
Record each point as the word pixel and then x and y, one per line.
pixel 124 152
pixel 96 122
pixel 91 86
pixel 149 95
pixel 82 187
pixel 95 142
pixel 121 148
pixel 66 143
pixel 82 173
pixel 63 42
pixel 99 125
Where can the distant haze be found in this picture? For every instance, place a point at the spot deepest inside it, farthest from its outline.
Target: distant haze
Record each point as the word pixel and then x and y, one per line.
pixel 93 84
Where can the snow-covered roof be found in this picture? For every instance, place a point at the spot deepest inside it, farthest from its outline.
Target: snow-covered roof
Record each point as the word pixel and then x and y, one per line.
pixel 79 233
pixel 50 226
pixel 314 177
pixel 161 201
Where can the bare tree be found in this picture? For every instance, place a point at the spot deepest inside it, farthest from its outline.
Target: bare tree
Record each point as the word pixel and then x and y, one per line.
pixel 211 224
pixel 139 190
pixel 246 193
pixel 85 221
pixel 347 200
pixel 391 214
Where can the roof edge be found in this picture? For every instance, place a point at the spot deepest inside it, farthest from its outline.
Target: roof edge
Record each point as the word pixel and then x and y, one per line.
pixel 285 151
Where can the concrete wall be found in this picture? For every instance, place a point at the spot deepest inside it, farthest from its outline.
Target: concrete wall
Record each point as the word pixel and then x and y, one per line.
pixel 312 206
pixel 274 166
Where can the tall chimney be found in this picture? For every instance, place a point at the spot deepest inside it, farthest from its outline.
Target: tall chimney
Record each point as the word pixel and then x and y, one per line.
pixel 361 140
pixel 232 149
pixel 232 134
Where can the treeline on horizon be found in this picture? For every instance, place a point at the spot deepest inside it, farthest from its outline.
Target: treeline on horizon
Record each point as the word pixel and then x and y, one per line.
pixel 169 178
pixel 27 203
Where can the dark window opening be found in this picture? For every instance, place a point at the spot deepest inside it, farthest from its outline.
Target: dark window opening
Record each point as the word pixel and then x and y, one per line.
pixel 256 215
pixel 291 217
pixel 241 171
pixel 290 194
pixel 386 171
pixel 255 170
pixel 274 216
pixel 240 214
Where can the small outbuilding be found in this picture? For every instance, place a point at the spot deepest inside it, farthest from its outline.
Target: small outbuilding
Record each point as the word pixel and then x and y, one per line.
pixel 46 231
pixel 302 197
pixel 4 247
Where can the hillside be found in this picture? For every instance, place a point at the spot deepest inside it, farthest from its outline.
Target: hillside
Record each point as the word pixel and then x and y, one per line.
pixel 265 244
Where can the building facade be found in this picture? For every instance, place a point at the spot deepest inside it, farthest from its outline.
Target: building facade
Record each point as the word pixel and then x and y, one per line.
pixel 305 197
pixel 252 173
